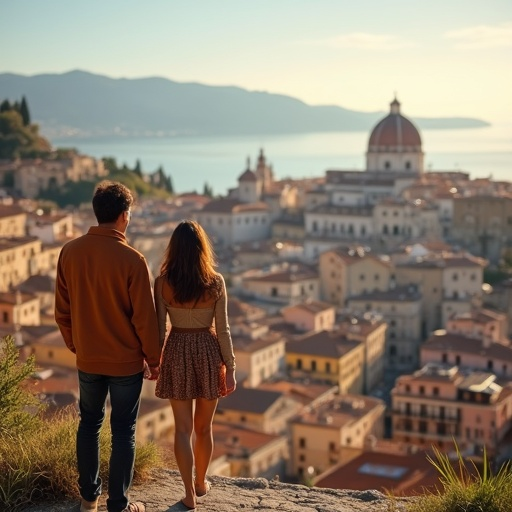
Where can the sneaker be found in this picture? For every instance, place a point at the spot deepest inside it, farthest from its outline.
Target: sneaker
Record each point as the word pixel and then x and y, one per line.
pixel 88 506
pixel 135 506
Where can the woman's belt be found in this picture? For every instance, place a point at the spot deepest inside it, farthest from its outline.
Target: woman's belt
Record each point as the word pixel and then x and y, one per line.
pixel 191 329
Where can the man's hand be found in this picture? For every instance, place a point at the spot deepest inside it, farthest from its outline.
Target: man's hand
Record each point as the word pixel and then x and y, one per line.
pixel 151 372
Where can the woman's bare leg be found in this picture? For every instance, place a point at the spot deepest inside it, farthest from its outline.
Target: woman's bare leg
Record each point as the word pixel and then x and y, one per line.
pixel 183 420
pixel 203 445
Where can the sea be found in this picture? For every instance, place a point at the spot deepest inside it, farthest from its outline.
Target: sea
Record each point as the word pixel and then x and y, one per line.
pixel 219 161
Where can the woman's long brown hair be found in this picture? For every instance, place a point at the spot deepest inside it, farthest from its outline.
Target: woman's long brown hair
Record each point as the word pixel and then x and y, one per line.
pixel 189 263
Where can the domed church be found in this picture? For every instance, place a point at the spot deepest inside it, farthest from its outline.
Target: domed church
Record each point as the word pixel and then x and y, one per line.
pixel 395 144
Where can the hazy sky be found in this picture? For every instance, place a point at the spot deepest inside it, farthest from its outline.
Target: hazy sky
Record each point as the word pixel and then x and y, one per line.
pixel 442 57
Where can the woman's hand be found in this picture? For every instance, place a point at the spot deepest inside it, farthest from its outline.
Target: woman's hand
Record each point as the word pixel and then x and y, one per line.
pixel 230 381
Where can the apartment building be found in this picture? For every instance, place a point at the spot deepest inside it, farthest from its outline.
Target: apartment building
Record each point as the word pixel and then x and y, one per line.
pixel 13 220
pixel 348 272
pixel 401 308
pixel 370 330
pixel 482 223
pixel 450 283
pixel 481 322
pixel 51 229
pixel 32 176
pixel 440 403
pixel 231 221
pixel 19 309
pixel 290 283
pixel 311 315
pixel 477 353
pixel 259 353
pixel 328 356
pixel 18 260
pixel 245 453
pixel 333 431
pixel 257 409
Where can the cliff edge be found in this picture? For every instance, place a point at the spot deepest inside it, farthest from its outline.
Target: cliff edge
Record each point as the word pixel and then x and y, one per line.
pixel 163 490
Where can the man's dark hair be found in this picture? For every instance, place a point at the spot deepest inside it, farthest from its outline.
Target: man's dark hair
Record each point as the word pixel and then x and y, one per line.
pixel 110 200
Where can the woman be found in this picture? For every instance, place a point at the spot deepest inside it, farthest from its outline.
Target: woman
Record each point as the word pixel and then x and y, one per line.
pixel 198 364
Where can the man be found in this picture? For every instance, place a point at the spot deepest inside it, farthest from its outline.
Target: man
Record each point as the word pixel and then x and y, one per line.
pixel 105 311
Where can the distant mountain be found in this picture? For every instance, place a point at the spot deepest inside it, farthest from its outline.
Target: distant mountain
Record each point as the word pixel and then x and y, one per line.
pixel 82 104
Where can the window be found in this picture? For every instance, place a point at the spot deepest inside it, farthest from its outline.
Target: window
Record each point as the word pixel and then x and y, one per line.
pixel 445 358
pixel 489 365
pixel 332 447
pixel 422 390
pixel 313 366
pixel 299 364
pixel 302 442
pixel 435 391
pixel 457 360
pixel 327 367
pixel 455 277
pixel 5 317
pixel 273 292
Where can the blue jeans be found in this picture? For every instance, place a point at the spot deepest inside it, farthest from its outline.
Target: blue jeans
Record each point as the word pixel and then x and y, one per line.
pixel 124 402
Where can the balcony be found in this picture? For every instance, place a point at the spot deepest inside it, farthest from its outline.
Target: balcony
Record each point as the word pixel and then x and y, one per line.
pixel 450 418
pixel 402 431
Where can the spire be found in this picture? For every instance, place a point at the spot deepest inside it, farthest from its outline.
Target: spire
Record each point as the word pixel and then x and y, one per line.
pixel 395 106
pixel 248 168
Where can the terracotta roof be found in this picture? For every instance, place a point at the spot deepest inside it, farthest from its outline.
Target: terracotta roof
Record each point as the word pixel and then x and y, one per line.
pixel 12 297
pixel 313 306
pixel 10 211
pixel 338 411
pixel 37 283
pixel 257 401
pixel 248 175
pixel 11 243
pixel 353 256
pixel 239 442
pixel 232 206
pixel 394 132
pixel 459 343
pixel 402 475
pixel 291 274
pixel 305 392
pixel 246 344
pixel 324 343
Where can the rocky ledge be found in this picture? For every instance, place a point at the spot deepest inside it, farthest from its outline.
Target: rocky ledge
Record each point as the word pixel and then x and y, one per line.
pixel 163 490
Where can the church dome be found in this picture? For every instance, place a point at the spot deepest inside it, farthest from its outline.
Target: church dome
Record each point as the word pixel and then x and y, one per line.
pixel 394 133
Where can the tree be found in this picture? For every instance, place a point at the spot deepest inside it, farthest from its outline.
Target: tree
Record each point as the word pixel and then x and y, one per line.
pixel 5 106
pixel 15 398
pixel 25 114
pixel 110 163
pixel 138 169
pixel 207 190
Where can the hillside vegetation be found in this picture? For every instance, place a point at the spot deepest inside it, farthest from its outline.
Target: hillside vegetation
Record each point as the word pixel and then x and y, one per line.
pixel 19 138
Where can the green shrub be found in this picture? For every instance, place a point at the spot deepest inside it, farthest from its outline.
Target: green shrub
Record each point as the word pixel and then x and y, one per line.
pixel 18 406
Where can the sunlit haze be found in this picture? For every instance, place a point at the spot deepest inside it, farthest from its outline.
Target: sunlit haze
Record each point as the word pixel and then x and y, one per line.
pixel 442 58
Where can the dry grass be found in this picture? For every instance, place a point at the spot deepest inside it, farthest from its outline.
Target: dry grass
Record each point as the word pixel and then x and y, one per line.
pixel 466 488
pixel 41 464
